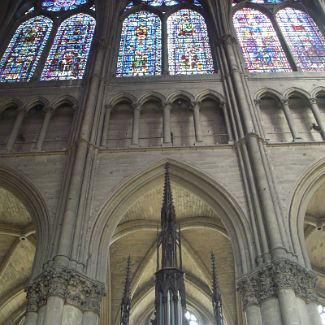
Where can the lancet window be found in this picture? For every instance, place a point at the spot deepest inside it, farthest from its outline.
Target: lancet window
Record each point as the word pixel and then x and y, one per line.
pixel 145 38
pixel 289 41
pixel 70 43
pixel 69 53
pixel 25 49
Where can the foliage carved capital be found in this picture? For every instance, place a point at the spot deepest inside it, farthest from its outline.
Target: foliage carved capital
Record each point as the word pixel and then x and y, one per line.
pixel 75 288
pixel 265 282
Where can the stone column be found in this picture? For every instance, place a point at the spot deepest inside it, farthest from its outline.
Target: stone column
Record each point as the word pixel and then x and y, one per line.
pixel 136 122
pixel 197 122
pixel 225 114
pixel 31 318
pixel 14 132
pixel 63 296
pixel 108 110
pixel 253 315
pixel 318 117
pixel 277 288
pixel 167 132
pixel 258 110
pixel 45 125
pixel 313 314
pixel 287 113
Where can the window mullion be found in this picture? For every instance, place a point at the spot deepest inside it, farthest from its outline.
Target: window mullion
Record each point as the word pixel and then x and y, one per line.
pixel 165 66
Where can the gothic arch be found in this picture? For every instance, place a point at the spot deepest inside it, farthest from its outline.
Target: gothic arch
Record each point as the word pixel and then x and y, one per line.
pixel 268 91
pixel 32 199
pixel 151 96
pixel 35 101
pixel 67 99
pixel 305 188
pixel 13 102
pixel 193 180
pixel 180 94
pixel 296 91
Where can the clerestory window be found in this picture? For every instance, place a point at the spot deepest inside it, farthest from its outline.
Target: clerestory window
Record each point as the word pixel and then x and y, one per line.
pixel 70 42
pixel 274 38
pixel 164 36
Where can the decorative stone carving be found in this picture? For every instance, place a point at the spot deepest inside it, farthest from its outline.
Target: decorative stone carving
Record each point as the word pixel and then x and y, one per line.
pixel 75 288
pixel 280 274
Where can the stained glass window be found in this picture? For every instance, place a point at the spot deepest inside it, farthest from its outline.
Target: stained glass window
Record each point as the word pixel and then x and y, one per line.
pixel 140 45
pixel 188 44
pixel 62 5
pixel 267 1
pixel 69 53
pixel 24 50
pixel 260 45
pixel 306 42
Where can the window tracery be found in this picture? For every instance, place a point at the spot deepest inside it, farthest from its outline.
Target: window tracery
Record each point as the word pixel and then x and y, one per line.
pixel 186 40
pixel 306 42
pixel 261 48
pixel 291 41
pixel 24 50
pixel 62 5
pixel 69 53
pixel 188 44
pixel 321 310
pixel 71 43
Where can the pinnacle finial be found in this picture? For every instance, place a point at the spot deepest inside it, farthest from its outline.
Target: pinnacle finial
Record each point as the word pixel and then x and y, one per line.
pixel 216 296
pixel 126 300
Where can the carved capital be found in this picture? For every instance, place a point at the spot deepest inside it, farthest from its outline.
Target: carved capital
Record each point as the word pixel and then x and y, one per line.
pixel 75 288
pixel 280 274
pixel 313 100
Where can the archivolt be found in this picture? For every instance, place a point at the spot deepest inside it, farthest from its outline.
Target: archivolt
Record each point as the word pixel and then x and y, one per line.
pixel 198 183
pixel 34 203
pixel 305 189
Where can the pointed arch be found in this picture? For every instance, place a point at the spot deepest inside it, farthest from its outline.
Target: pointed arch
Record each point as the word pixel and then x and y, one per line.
pixel 140 45
pixel 57 5
pixel 215 195
pixel 189 50
pixel 69 53
pixel 306 42
pixel 24 50
pixel 260 45
pixel 32 199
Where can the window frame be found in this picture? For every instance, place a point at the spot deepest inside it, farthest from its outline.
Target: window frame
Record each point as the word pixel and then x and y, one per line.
pixel 164 12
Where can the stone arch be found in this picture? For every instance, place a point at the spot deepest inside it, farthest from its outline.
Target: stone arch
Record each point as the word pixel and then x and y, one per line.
pixel 32 199
pixel 273 119
pixel 151 96
pixel 66 99
pixel 305 188
pixel 181 94
pixel 304 121
pixel 208 93
pixel 36 101
pixel 122 97
pixel 12 102
pixel 215 195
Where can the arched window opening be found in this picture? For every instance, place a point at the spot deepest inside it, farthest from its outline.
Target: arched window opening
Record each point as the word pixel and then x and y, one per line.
pixel 306 42
pixel 182 123
pixel 140 45
pixel 213 124
pixel 151 125
pixel 24 50
pixel 58 132
pixel 321 104
pixel 120 126
pixel 62 5
pixel 321 310
pixel 188 44
pixel 7 121
pixel 259 42
pixel 303 118
pixel 69 53
pixel 29 132
pixel 275 125
pixel 191 318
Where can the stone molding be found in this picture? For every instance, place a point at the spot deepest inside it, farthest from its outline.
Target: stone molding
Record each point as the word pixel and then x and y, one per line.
pixel 75 288
pixel 280 274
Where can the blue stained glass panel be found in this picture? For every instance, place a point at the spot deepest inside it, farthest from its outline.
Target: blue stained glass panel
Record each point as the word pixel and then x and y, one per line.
pixel 69 53
pixel 62 5
pixel 259 43
pixel 24 50
pixel 306 42
pixel 140 45
pixel 188 44
pixel 267 1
